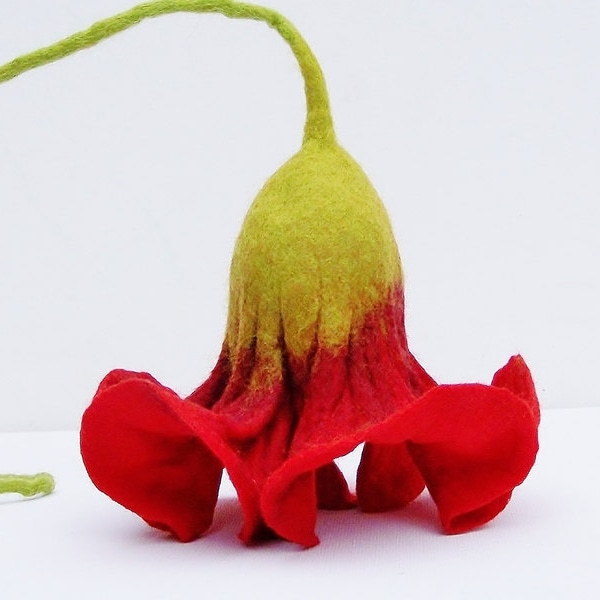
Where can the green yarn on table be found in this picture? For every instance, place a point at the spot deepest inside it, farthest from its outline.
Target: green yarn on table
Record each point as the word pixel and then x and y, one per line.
pixel 27 485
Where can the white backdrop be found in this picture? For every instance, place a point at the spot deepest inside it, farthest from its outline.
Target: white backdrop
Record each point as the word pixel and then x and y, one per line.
pixel 126 170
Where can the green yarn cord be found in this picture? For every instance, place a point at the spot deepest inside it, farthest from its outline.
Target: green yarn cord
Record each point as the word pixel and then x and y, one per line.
pixel 27 485
pixel 319 123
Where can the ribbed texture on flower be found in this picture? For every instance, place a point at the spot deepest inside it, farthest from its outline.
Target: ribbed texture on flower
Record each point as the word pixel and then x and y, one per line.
pixel 315 256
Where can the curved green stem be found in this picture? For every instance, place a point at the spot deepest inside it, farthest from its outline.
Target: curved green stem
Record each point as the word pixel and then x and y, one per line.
pixel 319 124
pixel 27 485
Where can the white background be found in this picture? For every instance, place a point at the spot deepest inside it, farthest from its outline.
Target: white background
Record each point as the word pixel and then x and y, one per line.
pixel 126 170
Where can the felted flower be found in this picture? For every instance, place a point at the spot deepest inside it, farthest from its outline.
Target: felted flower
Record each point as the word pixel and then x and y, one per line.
pixel 314 363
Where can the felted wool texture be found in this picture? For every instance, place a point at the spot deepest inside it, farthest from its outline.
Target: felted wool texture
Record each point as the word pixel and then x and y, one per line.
pixel 27 485
pixel 315 361
pixel 472 443
pixel 316 254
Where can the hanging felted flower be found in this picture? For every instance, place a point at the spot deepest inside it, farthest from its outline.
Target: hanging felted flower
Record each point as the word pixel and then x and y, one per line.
pixel 315 362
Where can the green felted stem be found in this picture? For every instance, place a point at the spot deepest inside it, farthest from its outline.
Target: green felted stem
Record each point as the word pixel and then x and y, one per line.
pixel 27 485
pixel 319 123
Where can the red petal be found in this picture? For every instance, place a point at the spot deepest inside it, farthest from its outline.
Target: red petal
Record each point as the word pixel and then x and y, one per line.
pixel 295 511
pixel 472 443
pixel 120 375
pixel 516 377
pixel 387 478
pixel 162 457
pixel 142 454
pixel 332 489
pixel 289 498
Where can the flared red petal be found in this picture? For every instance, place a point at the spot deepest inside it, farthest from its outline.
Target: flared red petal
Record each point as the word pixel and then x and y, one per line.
pixel 516 377
pixel 162 457
pixel 332 489
pixel 472 443
pixel 139 451
pixel 387 478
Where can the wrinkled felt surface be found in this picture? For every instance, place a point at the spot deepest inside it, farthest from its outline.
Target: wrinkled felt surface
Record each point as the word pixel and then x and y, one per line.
pixel 162 457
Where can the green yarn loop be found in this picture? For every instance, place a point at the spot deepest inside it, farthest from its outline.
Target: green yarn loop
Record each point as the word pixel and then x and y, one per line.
pixel 27 485
pixel 319 123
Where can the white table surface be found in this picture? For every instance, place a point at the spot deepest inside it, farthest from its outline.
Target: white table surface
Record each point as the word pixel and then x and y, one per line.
pixel 77 543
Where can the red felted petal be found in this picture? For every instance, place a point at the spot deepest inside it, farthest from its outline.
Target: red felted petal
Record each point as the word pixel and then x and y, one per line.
pixel 295 511
pixel 473 445
pixel 516 377
pixel 138 451
pixel 332 489
pixel 174 450
pixel 387 478
pixel 120 375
